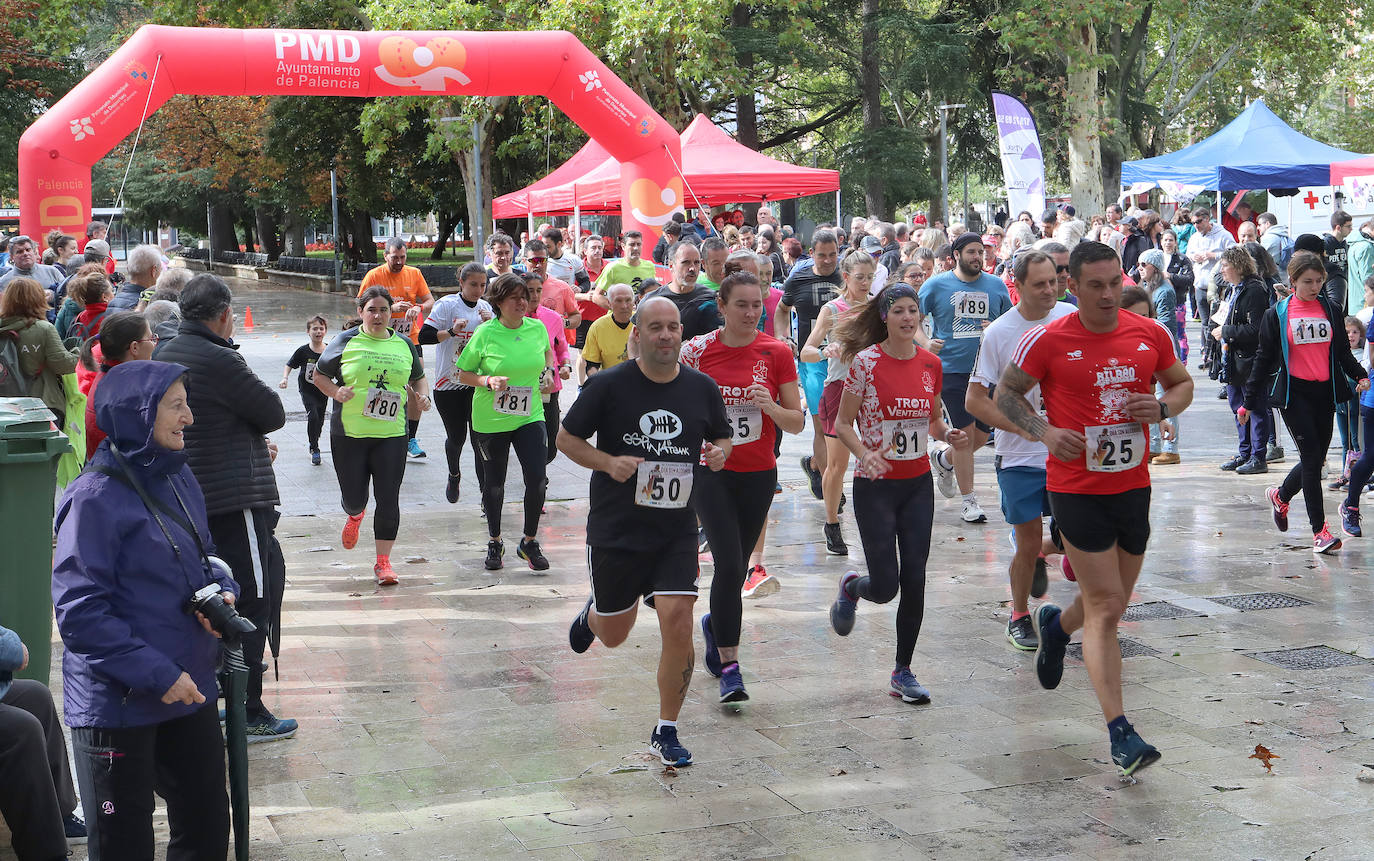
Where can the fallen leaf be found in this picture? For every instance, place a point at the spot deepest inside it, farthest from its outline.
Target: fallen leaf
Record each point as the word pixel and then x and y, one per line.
pixel 1365 776
pixel 355 594
pixel 1255 722
pixel 959 538
pixel 669 771
pixel 1265 756
pixel 412 560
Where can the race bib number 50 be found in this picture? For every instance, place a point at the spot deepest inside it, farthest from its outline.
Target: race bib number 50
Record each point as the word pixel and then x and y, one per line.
pixel 663 485
pixel 1115 448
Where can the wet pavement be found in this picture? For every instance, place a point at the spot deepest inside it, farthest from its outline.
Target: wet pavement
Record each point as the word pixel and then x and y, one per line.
pixel 447 718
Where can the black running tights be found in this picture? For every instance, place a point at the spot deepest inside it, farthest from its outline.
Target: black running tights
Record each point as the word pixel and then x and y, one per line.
pixel 1310 415
pixel 894 517
pixel 455 410
pixel 732 508
pixel 382 462
pixel 494 449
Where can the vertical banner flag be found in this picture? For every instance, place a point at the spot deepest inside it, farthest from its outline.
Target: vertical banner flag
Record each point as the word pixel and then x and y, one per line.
pixel 1023 164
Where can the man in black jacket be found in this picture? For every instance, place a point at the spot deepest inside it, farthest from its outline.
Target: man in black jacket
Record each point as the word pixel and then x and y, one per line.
pixel 232 459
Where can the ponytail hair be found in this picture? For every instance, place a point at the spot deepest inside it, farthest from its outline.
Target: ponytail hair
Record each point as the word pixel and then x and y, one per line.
pixel 862 330
pixel 118 333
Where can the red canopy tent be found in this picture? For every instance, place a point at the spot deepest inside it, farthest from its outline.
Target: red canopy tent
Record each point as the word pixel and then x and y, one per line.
pixel 1356 167
pixel 717 169
pixel 586 159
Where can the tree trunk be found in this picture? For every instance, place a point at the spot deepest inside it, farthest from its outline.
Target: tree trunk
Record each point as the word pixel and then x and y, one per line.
pixel 246 225
pixel 937 206
pixel 361 224
pixel 746 105
pixel 871 92
pixel 266 219
pixel 222 235
pixel 1081 98
pixel 293 229
pixel 447 219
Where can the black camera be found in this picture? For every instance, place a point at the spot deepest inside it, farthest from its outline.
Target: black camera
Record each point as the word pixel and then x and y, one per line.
pixel 210 603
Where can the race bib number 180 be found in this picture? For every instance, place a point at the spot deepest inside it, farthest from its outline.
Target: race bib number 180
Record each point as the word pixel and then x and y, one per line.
pixel 659 484
pixel 1115 448
pixel 382 404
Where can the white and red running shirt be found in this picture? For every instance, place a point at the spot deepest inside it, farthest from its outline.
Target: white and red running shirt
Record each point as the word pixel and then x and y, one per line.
pixel 766 361
pixel 897 398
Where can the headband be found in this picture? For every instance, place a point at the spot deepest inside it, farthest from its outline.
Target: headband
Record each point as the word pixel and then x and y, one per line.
pixel 901 290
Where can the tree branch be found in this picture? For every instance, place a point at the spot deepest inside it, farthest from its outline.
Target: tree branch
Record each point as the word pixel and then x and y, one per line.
pixel 840 111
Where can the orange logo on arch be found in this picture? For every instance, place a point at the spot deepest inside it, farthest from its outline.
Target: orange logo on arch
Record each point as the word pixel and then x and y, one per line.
pixel 406 63
pixel 653 204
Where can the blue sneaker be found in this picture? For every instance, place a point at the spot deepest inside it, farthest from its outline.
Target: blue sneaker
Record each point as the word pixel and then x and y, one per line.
pixel 732 685
pixel 315 456
pixel 1130 752
pixel 1350 520
pixel 413 448
pixel 75 829
pixel 670 751
pixel 711 656
pixel 268 727
pixel 904 685
pixel 842 611
pixel 580 636
pixel 1049 656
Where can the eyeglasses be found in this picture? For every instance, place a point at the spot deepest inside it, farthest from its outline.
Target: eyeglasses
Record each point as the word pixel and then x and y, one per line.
pixel 1061 269
pixel 535 259
pixel 153 339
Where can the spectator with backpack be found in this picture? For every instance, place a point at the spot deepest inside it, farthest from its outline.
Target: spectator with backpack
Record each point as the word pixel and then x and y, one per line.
pixel 93 290
pixel 32 358
pixel 1275 239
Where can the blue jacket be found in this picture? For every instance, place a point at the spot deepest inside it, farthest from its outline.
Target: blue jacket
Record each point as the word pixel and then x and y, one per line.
pixel 117 585
pixel 11 656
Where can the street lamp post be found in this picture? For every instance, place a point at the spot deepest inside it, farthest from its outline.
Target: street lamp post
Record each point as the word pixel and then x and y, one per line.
pixel 944 161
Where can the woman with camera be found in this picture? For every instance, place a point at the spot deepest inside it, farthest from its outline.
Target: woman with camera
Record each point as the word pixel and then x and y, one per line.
pixel 138 672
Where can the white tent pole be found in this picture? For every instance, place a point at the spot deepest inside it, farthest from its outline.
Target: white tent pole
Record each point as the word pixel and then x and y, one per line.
pixel 577 221
pixel 529 215
pixel 837 207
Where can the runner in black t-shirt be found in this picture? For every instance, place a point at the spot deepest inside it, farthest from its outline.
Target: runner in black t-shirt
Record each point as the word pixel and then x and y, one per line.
pixel 654 421
pixel 305 357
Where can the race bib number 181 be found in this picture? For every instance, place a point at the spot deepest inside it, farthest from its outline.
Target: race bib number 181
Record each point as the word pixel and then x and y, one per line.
pixel 1115 448
pixel 513 400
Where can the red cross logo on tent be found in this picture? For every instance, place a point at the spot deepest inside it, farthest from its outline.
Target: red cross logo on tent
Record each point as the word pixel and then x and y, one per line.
pixel 1311 200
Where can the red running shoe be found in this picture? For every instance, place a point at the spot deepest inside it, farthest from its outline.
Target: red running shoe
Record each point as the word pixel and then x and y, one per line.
pixel 385 576
pixel 350 531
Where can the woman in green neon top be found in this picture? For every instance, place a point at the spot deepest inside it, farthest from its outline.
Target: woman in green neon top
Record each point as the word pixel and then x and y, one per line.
pixel 368 372
pixel 509 363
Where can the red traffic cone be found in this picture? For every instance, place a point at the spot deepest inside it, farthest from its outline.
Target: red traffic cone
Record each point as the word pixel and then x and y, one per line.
pixel 247 318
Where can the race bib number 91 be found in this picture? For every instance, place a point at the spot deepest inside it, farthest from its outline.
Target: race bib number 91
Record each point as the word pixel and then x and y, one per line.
pixel 513 400
pixel 382 404
pixel 663 485
pixel 746 423
pixel 1115 448
pixel 905 439
pixel 1310 330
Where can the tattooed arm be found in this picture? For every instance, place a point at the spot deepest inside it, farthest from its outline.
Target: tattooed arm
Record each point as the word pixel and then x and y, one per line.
pixel 1064 444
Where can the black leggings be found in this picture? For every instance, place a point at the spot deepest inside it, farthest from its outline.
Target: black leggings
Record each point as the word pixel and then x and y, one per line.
pixel 1309 415
pixel 732 507
pixel 314 416
pixel 1363 468
pixel 894 518
pixel 551 418
pixel 494 450
pixel 181 760
pixel 455 409
pixel 380 461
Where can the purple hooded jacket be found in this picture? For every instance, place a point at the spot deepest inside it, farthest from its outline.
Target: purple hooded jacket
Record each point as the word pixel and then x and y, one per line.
pixel 117 585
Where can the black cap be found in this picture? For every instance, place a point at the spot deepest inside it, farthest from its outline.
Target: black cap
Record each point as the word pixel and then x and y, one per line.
pixel 966 239
pixel 1310 242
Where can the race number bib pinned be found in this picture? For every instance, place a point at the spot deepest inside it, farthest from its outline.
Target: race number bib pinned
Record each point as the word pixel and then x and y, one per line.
pixel 905 439
pixel 513 400
pixel 310 372
pixel 746 423
pixel 382 405
pixel 659 484
pixel 1115 448
pixel 1309 330
pixel 460 341
pixel 971 310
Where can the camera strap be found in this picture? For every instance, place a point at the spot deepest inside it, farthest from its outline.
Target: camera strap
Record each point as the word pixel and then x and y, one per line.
pixel 125 476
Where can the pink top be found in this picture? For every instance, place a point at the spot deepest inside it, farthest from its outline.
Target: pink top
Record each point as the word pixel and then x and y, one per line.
pixel 553 322
pixel 1309 340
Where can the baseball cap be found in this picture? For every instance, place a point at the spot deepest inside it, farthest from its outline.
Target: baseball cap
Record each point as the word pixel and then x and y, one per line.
pixel 98 246
pixel 871 244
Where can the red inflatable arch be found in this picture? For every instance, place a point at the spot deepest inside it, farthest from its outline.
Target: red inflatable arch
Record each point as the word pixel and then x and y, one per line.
pixel 57 151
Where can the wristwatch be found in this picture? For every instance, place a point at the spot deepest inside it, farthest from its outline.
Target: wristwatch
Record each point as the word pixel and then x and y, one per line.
pixel 1163 411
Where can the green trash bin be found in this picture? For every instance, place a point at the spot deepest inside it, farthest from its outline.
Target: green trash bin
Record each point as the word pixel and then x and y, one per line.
pixel 29 450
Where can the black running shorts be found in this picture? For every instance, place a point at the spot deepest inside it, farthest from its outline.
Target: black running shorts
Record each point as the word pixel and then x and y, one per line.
pixel 621 577
pixel 1095 523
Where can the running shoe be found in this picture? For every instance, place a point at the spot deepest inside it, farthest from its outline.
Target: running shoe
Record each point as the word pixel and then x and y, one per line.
pixel 842 611
pixel 777 487
pixel 710 656
pixel 1339 484
pixel 495 550
pixel 315 456
pixel 944 475
pixel 75 830
pixel 413 448
pixel 1067 568
pixel 350 530
pixel 1253 466
pixel 580 636
pixel 1130 752
pixel 834 540
pixel 813 476
pixel 1280 508
pixel 1040 580
pixel 1049 657
pixel 904 685
pixel 1234 463
pixel 1274 454
pixel 702 544
pixel 1021 634
pixel 384 574
pixel 759 583
pixel 1350 520
pixel 268 727
pixel 670 751
pixel 451 491
pixel 1325 542
pixel 528 549
pixel 732 686
pixel 973 512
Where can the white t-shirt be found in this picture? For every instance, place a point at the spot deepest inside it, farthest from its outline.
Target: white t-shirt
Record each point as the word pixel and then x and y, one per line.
pixel 444 315
pixel 566 267
pixel 999 343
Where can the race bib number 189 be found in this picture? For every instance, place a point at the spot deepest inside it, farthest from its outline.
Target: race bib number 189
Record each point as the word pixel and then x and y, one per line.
pixel 971 309
pixel 1115 448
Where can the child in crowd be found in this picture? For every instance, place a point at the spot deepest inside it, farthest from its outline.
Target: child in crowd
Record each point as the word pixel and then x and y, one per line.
pixel 305 358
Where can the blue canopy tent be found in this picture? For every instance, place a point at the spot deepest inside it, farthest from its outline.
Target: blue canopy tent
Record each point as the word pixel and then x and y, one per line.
pixel 1255 150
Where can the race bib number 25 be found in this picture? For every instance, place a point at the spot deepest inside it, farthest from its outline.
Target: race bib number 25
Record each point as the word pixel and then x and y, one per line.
pixel 1115 448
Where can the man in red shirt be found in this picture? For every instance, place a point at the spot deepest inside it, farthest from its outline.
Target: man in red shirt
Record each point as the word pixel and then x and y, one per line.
pixel 1096 370
pixel 558 295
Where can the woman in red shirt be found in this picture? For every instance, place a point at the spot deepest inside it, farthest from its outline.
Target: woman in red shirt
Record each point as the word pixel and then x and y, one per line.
pixel 758 382
pixel 893 391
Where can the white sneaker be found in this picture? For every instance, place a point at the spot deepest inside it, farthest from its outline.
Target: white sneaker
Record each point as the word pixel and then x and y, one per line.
pixel 973 512
pixel 944 478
